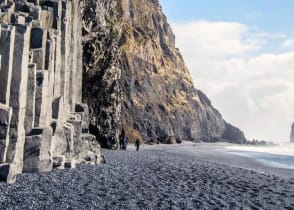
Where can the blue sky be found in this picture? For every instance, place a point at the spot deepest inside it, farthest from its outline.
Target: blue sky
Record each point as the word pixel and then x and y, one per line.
pixel 241 54
pixel 272 15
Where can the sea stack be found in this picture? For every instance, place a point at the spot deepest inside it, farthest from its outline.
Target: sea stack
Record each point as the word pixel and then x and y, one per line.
pixel 292 134
pixel 43 122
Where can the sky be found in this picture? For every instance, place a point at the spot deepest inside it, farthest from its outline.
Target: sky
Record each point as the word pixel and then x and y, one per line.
pixel 241 54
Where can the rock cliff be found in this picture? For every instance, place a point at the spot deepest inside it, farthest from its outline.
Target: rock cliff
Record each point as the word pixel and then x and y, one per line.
pixel 135 78
pixel 43 124
pixel 120 55
pixel 292 134
pixel 102 69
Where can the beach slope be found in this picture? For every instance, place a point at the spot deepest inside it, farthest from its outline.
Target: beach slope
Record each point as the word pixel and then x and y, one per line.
pixel 164 177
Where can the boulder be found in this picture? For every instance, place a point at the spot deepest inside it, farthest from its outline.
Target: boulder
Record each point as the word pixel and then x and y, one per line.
pixel 88 149
pixel 171 140
pixel 59 161
pixel 70 163
pixel 153 141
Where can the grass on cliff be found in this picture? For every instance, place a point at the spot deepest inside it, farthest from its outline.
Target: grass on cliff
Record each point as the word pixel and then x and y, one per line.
pixel 133 134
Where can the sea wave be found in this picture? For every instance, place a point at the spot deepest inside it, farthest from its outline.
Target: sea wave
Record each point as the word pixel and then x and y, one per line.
pixel 279 149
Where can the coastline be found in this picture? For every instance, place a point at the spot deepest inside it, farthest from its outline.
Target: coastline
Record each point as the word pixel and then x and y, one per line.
pixel 286 149
pixel 228 154
pixel 187 176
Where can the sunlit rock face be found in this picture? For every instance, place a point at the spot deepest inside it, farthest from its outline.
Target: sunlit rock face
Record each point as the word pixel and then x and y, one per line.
pixel 292 134
pixel 135 78
pixel 41 115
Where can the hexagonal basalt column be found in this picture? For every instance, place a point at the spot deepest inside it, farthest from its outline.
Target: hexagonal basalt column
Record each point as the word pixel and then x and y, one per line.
pixel 5 117
pixel 6 52
pixel 38 151
pixel 17 100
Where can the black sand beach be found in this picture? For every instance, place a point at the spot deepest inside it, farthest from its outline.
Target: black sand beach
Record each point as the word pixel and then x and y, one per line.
pixel 157 177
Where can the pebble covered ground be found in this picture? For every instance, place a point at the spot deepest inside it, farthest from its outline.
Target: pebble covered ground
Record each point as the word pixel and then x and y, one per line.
pixel 149 179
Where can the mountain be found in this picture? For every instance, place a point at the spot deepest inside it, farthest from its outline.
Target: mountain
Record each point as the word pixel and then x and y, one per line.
pixel 136 79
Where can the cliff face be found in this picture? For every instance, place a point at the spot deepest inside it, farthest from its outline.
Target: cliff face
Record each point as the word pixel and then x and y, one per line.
pixel 143 80
pixel 102 70
pixel 133 79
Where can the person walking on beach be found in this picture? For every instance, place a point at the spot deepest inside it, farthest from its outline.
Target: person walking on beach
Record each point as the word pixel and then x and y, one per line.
pixel 121 143
pixel 122 139
pixel 137 144
pixel 125 143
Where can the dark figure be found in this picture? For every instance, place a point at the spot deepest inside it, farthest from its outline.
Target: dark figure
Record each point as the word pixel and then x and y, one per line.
pixel 123 133
pixel 137 144
pixel 121 139
pixel 121 142
pixel 125 143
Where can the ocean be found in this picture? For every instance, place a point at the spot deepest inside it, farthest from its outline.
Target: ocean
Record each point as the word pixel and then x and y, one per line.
pixel 279 156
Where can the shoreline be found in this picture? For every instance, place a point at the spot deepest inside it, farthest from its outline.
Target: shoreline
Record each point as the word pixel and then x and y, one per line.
pixel 184 176
pixel 285 149
pixel 223 154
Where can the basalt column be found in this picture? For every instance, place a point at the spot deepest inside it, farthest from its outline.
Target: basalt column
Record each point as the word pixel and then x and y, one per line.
pixel 43 124
pixel 18 96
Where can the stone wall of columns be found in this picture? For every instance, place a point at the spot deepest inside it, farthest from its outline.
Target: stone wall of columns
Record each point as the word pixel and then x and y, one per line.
pixel 43 123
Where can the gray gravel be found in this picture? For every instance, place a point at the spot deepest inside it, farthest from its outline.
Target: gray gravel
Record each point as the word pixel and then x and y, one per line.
pixel 151 178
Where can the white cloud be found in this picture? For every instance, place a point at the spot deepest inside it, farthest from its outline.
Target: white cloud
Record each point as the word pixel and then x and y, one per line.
pixel 253 90
pixel 288 43
pixel 271 36
pixel 215 38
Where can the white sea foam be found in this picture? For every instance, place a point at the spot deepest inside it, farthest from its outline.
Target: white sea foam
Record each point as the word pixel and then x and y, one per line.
pixel 281 149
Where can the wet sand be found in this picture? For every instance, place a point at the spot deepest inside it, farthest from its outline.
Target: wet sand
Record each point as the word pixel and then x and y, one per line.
pixel 188 176
pixel 222 154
